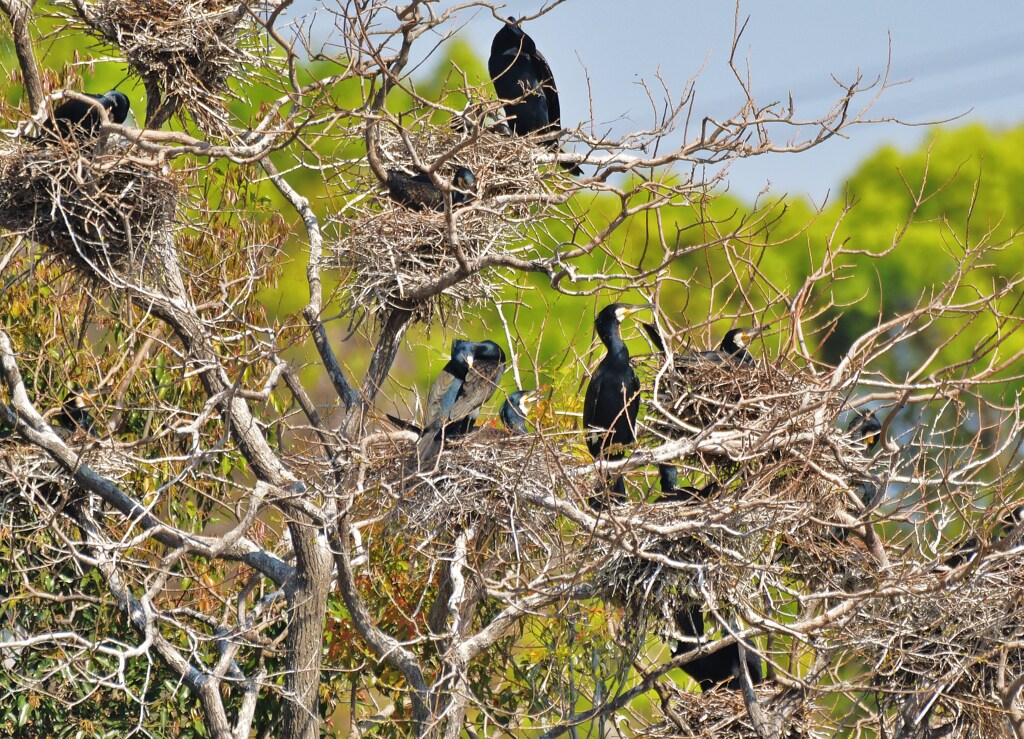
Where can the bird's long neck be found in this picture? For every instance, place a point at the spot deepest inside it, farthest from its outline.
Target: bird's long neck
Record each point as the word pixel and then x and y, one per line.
pixel 456 369
pixel 613 341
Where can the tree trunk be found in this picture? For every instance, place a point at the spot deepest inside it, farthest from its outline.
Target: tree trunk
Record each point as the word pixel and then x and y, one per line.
pixel 307 601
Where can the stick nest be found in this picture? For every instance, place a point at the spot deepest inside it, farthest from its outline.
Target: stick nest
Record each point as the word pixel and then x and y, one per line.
pixel 30 473
pixel 399 257
pixel 188 50
pixel 952 643
pixel 484 479
pixel 722 713
pixel 96 210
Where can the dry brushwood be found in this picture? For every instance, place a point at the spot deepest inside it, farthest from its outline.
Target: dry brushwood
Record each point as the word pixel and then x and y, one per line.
pixel 185 50
pixel 100 212
pixel 399 257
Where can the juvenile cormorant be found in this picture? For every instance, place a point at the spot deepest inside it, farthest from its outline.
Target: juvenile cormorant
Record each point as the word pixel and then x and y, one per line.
pixel 418 192
pixel 77 116
pixel 612 401
pixel 515 408
pixel 712 670
pixel 523 82
pixel 466 382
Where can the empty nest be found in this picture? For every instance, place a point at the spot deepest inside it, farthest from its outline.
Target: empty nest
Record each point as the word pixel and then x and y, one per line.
pixel 98 210
pixel 411 259
pixel 187 49
pixel 30 473
pixel 722 713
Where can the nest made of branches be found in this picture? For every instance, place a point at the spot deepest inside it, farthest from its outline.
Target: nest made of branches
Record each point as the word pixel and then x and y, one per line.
pixel 723 713
pixel 99 209
pixel 950 643
pixel 396 256
pixel 764 400
pixel 29 473
pixel 487 479
pixel 188 49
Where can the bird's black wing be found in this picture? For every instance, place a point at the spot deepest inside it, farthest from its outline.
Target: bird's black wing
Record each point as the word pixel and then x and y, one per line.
pixel 590 404
pixel 547 81
pixel 441 397
pixel 652 331
pixel 481 383
pixel 414 192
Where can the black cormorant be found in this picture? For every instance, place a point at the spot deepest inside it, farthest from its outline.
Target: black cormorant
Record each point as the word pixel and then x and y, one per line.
pixel 77 116
pixel 723 665
pixel 866 429
pixel 612 401
pixel 466 382
pixel 515 408
pixel 74 416
pixel 418 192
pixel 670 490
pixel 523 82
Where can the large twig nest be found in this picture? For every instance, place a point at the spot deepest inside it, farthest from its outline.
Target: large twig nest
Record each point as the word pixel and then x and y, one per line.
pixel 29 473
pixel 723 714
pixel 187 49
pixel 950 645
pixel 98 210
pixel 484 479
pixel 768 402
pixel 396 256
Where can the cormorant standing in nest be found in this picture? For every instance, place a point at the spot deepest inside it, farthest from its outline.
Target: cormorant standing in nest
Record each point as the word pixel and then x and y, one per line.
pixel 515 409
pixel 720 666
pixel 74 417
pixel 612 401
pixel 733 348
pixel 524 83
pixel 672 493
pixel 418 192
pixel 453 403
pixel 866 429
pixel 78 117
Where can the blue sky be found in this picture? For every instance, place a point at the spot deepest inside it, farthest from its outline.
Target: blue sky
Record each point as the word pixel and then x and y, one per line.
pixel 955 58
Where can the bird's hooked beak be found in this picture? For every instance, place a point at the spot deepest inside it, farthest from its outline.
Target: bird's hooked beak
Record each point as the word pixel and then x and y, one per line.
pixel 627 310
pixel 530 398
pixel 747 336
pixel 85 397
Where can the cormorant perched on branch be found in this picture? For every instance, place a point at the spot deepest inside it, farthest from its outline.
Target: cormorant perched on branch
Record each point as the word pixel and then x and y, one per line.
pixel 453 403
pixel 418 192
pixel 76 116
pixel 523 82
pixel 612 401
pixel 866 429
pixel 515 408
pixel 720 666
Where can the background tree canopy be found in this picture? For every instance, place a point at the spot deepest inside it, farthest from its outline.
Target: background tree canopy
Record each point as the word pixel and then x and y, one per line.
pixel 235 540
